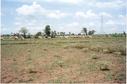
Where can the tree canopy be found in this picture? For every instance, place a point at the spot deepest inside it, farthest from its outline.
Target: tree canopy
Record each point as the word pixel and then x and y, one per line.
pixel 47 30
pixel 24 31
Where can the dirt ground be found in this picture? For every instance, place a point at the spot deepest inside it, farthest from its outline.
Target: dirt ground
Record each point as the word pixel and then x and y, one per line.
pixel 77 60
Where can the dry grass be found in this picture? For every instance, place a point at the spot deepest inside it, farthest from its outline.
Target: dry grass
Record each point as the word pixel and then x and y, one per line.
pixel 95 60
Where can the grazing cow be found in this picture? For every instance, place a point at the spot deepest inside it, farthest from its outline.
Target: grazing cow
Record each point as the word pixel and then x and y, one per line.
pixel 66 37
pixel 89 36
pixel 2 38
pixel 15 37
pixel 40 37
pixel 22 38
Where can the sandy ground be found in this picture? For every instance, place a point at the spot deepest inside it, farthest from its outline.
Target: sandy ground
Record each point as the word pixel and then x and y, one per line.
pixel 61 62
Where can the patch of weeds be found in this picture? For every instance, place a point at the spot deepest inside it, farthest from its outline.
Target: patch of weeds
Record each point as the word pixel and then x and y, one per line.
pixel 32 71
pixel 119 50
pixel 117 53
pixel 120 77
pixel 31 79
pixel 78 46
pixel 25 80
pixel 85 49
pixel 29 58
pixel 86 67
pixel 14 59
pixel 58 80
pixel 111 50
pixel 57 56
pixel 94 56
pixel 92 67
pixel 104 67
pixel 45 49
pixel 97 49
pixel 109 76
pixel 29 50
pixel 105 50
pixel 123 51
pixel 60 63
pixel 65 47
pixel 15 66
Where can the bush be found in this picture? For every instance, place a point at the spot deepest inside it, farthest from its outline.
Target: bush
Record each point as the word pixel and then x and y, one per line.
pixel 123 51
pixel 78 46
pixel 38 34
pixel 104 67
pixel 94 57
pixel 120 77
pixel 85 49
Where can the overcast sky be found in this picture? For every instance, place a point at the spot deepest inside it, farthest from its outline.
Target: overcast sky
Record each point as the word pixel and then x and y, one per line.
pixel 63 15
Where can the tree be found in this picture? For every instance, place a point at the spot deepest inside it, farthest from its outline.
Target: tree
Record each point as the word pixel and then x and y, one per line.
pixel 124 33
pixel 24 31
pixel 53 34
pixel 79 33
pixel 38 34
pixel 91 32
pixel 47 30
pixel 69 33
pixel 84 30
pixel 29 35
pixel 62 33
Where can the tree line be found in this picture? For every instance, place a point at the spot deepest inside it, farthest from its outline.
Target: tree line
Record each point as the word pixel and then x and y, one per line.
pixel 49 33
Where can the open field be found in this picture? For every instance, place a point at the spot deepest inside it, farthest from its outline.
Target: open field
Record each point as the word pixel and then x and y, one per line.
pixel 74 60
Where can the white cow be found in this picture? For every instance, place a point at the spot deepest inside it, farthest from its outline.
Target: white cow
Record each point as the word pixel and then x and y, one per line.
pixel 89 36
pixel 22 38
pixel 1 38
pixel 15 37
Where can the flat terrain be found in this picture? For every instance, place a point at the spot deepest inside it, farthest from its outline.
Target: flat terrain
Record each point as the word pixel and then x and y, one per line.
pixel 57 60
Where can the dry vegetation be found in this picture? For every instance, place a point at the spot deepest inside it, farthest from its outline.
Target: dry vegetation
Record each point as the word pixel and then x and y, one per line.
pixel 74 60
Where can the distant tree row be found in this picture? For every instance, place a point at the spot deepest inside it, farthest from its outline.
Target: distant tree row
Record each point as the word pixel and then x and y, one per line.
pixel 86 32
pixel 49 33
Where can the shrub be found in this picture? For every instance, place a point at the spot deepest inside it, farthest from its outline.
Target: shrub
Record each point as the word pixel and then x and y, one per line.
pixel 120 77
pixel 85 49
pixel 104 67
pixel 123 51
pixel 111 50
pixel 78 46
pixel 94 57
pixel 97 49
pixel 105 50
pixel 59 63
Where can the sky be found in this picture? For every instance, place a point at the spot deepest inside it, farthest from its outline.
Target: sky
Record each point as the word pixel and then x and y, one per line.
pixel 103 16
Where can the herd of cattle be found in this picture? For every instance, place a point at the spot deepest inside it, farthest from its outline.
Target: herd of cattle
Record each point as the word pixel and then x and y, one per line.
pixel 20 37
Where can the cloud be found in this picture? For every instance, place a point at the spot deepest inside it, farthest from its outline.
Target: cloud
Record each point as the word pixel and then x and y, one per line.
pixel 88 14
pixel 66 1
pixel 36 9
pixel 105 14
pixel 110 22
pixel 74 2
pixel 74 27
pixel 56 14
pixel 28 10
pixel 35 16
pixel 110 4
